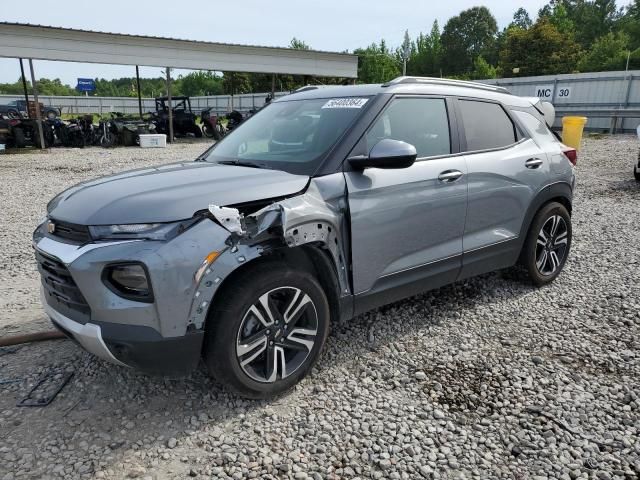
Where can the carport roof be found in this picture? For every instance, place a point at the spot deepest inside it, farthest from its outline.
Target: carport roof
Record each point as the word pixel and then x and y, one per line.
pixel 21 40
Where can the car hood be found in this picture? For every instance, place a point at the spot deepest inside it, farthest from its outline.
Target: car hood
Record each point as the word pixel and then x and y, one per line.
pixel 169 192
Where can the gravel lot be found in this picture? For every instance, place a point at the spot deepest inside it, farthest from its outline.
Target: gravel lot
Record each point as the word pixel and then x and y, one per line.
pixel 488 378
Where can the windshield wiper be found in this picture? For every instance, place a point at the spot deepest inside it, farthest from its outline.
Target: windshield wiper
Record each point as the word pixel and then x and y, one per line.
pixel 242 163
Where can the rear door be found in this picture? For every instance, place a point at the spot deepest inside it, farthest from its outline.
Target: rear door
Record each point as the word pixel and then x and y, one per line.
pixel 407 224
pixel 505 170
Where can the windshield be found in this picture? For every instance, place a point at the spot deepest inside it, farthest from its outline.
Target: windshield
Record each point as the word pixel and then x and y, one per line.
pixel 293 136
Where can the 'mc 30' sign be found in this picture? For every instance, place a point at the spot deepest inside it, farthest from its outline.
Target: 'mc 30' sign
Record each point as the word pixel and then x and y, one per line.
pixel 545 92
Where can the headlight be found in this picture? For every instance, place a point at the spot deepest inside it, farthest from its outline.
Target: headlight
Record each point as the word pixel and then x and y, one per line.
pixel 129 280
pixel 138 231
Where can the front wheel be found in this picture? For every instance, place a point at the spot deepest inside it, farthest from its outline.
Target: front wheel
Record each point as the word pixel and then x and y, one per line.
pixel 547 244
pixel 636 173
pixel 267 331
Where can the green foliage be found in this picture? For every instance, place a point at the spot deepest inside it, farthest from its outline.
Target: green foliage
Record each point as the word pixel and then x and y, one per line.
pixel 199 84
pixel 521 19
pixel 426 54
pixel 482 70
pixel 629 23
pixel 298 44
pixel 467 36
pixel 376 64
pixel 540 50
pixel 608 52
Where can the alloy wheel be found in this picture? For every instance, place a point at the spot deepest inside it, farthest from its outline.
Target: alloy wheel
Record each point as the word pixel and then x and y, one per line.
pixel 551 245
pixel 277 334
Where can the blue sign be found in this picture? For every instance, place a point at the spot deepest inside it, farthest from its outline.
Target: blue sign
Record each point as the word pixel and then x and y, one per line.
pixel 86 85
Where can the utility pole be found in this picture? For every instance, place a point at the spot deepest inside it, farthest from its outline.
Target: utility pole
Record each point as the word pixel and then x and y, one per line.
pixel 37 108
pixel 169 104
pixel 406 50
pixel 24 87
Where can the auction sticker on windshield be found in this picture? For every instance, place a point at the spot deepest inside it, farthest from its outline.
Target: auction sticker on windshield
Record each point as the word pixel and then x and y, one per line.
pixel 345 103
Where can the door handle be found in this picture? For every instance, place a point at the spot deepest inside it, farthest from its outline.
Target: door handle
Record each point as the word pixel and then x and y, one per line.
pixel 533 163
pixel 449 176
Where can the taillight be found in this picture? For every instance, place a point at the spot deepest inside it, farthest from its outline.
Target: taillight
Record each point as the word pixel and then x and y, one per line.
pixel 571 154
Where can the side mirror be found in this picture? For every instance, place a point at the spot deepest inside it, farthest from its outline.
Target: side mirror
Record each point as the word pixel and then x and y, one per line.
pixel 387 153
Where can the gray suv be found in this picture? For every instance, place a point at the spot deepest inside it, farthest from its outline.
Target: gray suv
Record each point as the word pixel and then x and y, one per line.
pixel 325 204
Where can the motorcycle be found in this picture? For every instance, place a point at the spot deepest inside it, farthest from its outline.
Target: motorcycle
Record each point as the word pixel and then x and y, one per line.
pixel 234 119
pixel 212 126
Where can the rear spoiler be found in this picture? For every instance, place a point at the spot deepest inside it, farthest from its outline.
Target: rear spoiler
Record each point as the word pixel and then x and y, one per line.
pixel 546 109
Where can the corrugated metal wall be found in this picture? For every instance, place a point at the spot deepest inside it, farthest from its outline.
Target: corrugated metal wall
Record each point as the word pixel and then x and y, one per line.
pixel 590 92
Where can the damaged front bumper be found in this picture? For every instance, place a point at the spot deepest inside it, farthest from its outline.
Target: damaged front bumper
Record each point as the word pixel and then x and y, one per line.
pixel 154 337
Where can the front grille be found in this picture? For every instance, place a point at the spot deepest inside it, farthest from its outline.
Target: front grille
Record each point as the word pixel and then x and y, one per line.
pixel 71 231
pixel 61 290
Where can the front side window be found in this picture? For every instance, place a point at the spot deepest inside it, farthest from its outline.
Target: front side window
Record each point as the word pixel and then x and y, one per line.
pixel 422 122
pixel 293 135
pixel 486 125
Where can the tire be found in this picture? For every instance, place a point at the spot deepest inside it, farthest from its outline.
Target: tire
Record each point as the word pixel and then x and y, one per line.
pixel 547 244
pixel 218 133
pixel 208 131
pixel 636 174
pixel 239 320
pixel 195 129
pixel 18 138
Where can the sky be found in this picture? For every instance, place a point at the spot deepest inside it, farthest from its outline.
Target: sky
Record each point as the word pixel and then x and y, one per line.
pixel 333 25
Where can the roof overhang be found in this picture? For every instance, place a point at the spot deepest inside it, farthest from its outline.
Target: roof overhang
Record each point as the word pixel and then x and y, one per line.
pixel 19 40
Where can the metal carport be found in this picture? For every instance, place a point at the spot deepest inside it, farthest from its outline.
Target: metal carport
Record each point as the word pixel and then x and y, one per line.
pixel 18 40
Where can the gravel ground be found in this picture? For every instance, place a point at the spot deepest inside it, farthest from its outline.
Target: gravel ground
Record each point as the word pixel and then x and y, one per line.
pixel 487 378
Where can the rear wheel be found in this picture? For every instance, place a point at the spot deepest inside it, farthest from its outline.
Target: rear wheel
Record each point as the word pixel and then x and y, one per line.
pixel 267 331
pixel 548 243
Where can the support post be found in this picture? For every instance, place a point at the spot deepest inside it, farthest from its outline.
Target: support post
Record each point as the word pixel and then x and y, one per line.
pixel 273 86
pixel 37 107
pixel 139 93
pixel 169 105
pixel 24 87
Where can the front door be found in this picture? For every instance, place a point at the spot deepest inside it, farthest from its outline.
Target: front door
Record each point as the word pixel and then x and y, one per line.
pixel 407 224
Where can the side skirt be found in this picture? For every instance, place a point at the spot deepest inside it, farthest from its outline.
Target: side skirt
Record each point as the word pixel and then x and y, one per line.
pixel 401 285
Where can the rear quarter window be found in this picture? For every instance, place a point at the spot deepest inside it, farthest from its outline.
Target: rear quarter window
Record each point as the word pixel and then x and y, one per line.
pixel 536 128
pixel 486 125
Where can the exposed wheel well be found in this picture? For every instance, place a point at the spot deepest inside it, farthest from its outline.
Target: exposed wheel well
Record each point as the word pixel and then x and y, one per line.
pixel 309 257
pixel 562 200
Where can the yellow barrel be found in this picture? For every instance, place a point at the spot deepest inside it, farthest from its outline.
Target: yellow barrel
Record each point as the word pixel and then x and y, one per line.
pixel 572 128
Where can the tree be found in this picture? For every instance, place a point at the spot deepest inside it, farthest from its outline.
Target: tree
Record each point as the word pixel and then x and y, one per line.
pixel 608 52
pixel 521 19
pixel 426 54
pixel 298 44
pixel 200 83
pixel 629 23
pixel 467 36
pixel 482 70
pixel 376 64
pixel 235 83
pixel 557 15
pixel 540 50
pixel 586 20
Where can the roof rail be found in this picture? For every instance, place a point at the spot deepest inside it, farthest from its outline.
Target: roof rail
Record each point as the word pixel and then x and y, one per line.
pixel 306 88
pixel 446 81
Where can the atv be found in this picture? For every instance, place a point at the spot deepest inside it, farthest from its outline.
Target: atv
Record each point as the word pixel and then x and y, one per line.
pixel 184 120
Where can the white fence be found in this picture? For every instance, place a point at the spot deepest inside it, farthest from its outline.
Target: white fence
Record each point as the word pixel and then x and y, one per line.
pixel 129 105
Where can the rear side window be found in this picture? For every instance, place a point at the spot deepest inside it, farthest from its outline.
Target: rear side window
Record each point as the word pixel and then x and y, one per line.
pixel 486 125
pixel 422 122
